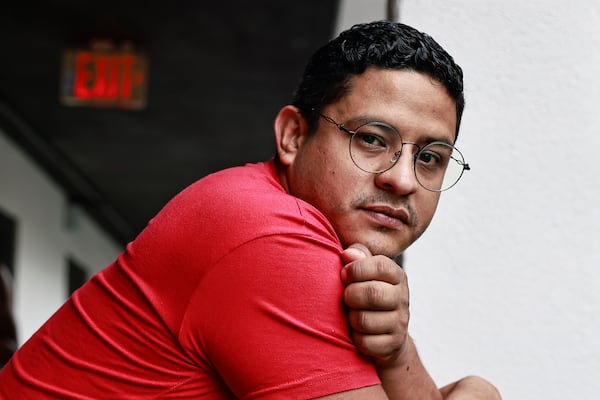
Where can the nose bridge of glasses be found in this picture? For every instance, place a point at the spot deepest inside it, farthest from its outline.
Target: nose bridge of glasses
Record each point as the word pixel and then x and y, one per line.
pixel 398 153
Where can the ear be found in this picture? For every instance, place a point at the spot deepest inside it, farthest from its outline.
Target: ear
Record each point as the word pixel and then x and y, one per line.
pixel 291 131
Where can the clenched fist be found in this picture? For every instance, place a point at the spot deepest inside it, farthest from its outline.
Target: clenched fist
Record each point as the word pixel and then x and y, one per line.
pixel 377 298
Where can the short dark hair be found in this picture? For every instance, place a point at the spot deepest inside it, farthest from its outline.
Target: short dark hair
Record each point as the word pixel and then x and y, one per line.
pixel 328 73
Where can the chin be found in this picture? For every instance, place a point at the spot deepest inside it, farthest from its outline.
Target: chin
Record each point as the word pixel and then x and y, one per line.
pixel 391 249
pixel 380 241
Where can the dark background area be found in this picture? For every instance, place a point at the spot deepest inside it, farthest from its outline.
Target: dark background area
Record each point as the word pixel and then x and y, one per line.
pixel 218 74
pixel 8 228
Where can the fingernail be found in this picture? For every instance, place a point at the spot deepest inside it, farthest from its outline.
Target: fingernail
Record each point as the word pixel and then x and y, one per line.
pixel 344 274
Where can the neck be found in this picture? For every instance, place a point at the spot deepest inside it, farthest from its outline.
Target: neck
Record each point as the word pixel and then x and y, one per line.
pixel 281 174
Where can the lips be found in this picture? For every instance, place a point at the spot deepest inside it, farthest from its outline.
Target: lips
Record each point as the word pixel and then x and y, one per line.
pixel 388 216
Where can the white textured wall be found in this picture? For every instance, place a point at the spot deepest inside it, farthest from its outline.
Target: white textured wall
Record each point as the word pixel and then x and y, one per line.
pixel 43 239
pixel 506 283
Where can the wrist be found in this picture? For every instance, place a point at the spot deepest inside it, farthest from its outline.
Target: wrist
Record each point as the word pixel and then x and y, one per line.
pixel 404 376
pixel 396 358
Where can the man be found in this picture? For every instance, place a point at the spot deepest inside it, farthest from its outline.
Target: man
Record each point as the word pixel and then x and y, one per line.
pixel 236 288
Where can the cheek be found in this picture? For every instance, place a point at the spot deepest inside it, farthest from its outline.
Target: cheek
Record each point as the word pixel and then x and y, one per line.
pixel 426 206
pixel 327 178
pixel 338 190
pixel 336 172
pixel 317 178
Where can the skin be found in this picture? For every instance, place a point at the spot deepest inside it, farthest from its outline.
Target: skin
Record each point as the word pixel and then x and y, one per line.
pixel 376 216
pixel 386 212
pixel 377 298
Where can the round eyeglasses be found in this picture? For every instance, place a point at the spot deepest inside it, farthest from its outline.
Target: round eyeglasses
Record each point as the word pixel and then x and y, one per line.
pixel 375 147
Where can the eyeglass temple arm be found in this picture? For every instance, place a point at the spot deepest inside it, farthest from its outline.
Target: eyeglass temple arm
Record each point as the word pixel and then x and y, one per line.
pixel 341 127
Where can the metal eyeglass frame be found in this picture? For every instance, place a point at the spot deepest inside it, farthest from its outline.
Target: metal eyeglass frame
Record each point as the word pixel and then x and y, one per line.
pixel 397 154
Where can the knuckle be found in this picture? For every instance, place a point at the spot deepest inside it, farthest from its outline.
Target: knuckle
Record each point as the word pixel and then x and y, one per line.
pixel 380 268
pixel 382 265
pixel 375 295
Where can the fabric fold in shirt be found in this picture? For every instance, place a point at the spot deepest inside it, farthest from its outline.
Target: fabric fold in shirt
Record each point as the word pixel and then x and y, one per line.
pixel 231 291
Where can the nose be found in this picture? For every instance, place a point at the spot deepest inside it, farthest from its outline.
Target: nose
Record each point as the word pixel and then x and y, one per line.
pixel 400 179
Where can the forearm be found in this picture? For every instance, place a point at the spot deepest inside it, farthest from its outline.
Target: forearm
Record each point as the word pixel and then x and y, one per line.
pixel 406 378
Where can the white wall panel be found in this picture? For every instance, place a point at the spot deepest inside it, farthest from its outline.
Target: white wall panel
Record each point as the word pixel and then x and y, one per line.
pixel 506 281
pixel 43 240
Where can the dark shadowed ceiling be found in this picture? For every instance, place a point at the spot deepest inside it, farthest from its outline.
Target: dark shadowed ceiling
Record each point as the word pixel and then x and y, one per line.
pixel 218 73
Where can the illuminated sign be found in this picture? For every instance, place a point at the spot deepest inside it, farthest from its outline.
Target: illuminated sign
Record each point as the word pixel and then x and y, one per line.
pixel 104 76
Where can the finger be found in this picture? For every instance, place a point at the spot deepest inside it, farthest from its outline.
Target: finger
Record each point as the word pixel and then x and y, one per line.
pixel 379 322
pixel 375 296
pixel 382 346
pixel 378 268
pixel 355 252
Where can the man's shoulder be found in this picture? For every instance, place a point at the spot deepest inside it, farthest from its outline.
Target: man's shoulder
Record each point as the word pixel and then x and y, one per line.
pixel 242 189
pixel 249 190
pixel 245 198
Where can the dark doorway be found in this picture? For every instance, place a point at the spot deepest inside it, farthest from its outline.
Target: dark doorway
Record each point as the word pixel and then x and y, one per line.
pixel 7 240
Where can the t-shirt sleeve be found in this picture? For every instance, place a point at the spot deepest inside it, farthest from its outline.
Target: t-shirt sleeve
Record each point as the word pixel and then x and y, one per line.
pixel 268 317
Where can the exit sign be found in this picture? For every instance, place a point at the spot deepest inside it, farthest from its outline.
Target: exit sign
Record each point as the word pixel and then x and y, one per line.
pixel 104 76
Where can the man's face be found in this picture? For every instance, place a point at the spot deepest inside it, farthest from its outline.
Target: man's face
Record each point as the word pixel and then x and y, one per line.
pixel 388 211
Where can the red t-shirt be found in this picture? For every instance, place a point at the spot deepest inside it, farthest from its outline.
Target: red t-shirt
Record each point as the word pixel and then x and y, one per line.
pixel 231 291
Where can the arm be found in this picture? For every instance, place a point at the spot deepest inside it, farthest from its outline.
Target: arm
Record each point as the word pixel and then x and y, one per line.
pixel 273 326
pixel 377 298
pixel 470 388
pixel 402 377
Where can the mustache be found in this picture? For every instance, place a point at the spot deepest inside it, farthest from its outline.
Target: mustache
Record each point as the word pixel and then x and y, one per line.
pixel 365 201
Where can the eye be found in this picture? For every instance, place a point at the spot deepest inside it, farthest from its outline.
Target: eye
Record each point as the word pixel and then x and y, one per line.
pixel 434 155
pixel 368 139
pixel 375 136
pixel 429 158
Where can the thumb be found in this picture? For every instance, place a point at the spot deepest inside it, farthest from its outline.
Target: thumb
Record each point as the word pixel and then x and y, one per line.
pixel 355 252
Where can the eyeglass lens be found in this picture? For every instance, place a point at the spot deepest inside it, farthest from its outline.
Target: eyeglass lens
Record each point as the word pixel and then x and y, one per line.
pixel 375 147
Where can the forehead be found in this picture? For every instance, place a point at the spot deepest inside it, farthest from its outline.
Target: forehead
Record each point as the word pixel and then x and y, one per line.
pixel 412 102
